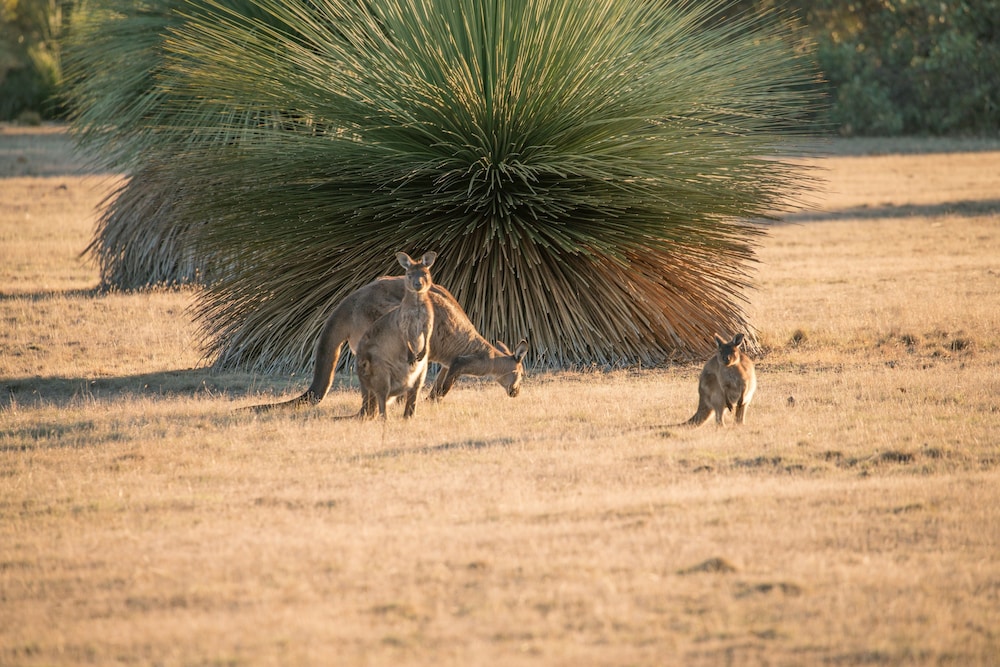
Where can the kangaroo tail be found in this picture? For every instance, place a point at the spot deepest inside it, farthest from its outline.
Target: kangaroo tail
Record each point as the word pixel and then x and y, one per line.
pixel 307 398
pixel 699 417
pixel 331 340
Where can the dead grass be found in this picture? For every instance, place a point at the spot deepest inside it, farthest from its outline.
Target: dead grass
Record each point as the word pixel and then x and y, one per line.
pixel 851 522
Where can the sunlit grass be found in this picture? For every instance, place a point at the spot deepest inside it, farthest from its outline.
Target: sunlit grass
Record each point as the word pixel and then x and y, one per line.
pixel 144 520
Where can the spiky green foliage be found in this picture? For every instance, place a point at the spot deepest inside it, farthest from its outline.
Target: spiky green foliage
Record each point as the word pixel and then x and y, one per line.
pixel 119 116
pixel 139 242
pixel 583 169
pixel 114 58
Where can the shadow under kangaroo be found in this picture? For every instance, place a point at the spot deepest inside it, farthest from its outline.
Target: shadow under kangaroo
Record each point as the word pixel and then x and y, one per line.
pixel 455 343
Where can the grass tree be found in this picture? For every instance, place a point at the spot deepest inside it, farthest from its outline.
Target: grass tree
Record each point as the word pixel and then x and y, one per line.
pixel 119 118
pixel 113 54
pixel 138 242
pixel 585 171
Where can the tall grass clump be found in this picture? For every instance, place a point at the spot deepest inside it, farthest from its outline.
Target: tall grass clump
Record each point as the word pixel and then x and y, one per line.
pixel 585 170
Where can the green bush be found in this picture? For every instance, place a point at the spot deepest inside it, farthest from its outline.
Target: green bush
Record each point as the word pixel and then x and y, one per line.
pixel 892 66
pixel 30 71
pixel 23 89
pixel 860 103
pixel 910 66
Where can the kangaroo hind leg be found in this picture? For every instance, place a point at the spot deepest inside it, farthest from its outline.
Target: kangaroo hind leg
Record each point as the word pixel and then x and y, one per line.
pixel 741 408
pixel 411 402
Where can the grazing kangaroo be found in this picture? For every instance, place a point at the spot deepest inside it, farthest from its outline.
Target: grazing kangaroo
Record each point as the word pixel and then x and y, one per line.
pixel 496 362
pixel 728 381
pixel 393 353
pixel 454 337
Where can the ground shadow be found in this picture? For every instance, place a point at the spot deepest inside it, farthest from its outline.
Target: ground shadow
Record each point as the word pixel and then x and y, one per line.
pixel 834 146
pixel 62 391
pixel 966 208
pixel 470 445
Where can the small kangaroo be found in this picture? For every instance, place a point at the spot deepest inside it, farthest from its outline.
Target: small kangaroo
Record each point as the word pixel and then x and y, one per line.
pixel 393 353
pixel 728 380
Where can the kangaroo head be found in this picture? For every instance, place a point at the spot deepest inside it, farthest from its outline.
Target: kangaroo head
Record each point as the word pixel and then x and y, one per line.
pixel 512 367
pixel 418 275
pixel 729 353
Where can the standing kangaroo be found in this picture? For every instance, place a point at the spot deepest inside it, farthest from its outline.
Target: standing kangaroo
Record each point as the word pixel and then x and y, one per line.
pixel 393 353
pixel 728 381
pixel 454 337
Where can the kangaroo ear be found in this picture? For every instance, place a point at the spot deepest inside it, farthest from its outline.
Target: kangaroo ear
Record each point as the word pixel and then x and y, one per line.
pixel 521 350
pixel 428 259
pixel 737 340
pixel 719 342
pixel 404 260
pixel 503 348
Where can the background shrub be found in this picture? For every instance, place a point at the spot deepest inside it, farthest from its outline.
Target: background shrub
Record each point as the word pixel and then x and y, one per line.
pixel 909 66
pixel 30 70
pixel 891 66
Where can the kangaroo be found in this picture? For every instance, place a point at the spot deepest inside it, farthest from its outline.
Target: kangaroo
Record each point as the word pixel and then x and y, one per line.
pixel 393 353
pixel 728 381
pixel 496 362
pixel 454 336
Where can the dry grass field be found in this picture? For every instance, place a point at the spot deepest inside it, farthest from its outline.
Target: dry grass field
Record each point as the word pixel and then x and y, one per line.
pixel 855 520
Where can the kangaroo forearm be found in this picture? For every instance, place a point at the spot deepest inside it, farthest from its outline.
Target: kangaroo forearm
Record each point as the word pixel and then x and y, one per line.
pixel 445 379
